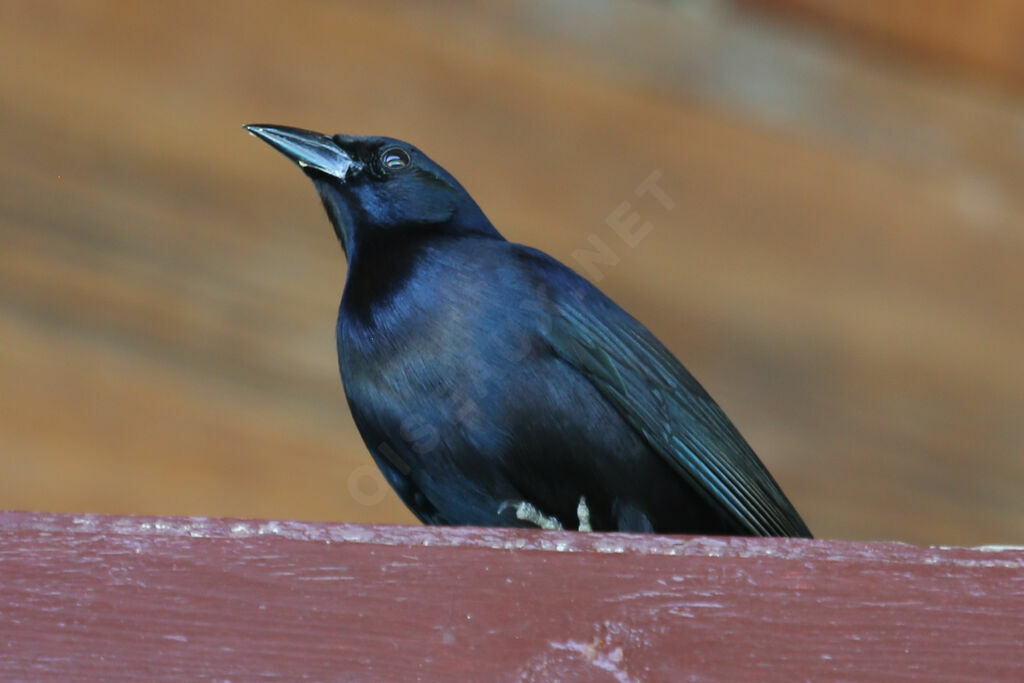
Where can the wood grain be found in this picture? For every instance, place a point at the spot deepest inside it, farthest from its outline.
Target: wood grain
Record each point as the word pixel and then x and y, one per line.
pixel 841 266
pixel 965 36
pixel 90 597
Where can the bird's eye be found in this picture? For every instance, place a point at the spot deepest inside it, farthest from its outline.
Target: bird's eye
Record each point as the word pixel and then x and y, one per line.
pixel 394 157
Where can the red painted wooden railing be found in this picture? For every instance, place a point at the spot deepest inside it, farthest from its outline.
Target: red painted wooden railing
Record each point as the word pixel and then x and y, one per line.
pixel 88 597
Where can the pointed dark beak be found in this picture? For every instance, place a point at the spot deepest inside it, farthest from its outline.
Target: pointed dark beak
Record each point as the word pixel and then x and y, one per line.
pixel 307 149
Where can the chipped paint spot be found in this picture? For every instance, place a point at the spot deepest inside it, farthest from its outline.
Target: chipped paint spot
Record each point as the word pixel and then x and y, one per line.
pixel 600 654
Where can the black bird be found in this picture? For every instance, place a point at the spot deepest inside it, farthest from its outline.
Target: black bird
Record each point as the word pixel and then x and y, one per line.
pixel 494 386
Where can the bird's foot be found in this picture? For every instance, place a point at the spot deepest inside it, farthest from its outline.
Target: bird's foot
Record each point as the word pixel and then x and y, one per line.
pixel 583 514
pixel 529 513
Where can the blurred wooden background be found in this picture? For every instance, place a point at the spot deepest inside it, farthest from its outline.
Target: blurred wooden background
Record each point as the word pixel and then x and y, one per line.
pixel 843 266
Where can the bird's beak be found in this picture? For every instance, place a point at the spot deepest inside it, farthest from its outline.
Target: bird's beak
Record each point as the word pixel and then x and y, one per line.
pixel 307 148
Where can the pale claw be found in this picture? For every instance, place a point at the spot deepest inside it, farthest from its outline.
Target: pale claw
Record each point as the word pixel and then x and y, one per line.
pixel 583 513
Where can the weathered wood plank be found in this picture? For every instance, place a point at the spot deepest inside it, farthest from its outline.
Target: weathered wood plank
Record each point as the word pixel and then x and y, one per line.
pixel 99 598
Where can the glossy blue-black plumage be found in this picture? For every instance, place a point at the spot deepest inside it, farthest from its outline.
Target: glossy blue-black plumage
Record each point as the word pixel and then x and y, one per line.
pixel 481 372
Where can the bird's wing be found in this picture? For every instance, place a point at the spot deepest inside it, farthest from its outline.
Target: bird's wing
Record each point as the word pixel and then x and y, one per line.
pixel 661 400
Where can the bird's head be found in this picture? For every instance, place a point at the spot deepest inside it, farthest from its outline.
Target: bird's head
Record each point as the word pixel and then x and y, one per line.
pixel 375 187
